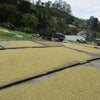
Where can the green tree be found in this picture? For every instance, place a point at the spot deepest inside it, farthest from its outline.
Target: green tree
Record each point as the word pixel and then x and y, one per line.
pixel 38 3
pixel 8 13
pixel 24 6
pixel 30 20
pixel 13 2
pixel 93 23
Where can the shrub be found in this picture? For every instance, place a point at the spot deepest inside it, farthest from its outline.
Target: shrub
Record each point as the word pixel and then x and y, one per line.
pixel 8 25
pixel 25 29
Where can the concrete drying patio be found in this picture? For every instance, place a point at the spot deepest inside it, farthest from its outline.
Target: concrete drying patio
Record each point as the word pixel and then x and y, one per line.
pixel 59 72
pixel 21 63
pixel 82 48
pixel 77 83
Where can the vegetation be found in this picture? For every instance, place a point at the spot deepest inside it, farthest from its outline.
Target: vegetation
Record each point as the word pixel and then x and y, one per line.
pixel 44 17
pixel 6 34
pixel 34 18
pixel 24 44
pixel 91 26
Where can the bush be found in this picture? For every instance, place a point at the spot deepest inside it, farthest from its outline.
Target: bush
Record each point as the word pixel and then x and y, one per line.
pixel 8 25
pixel 25 29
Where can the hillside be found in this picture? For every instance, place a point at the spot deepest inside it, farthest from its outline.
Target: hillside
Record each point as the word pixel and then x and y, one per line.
pixel 34 18
pixel 6 34
pixel 44 17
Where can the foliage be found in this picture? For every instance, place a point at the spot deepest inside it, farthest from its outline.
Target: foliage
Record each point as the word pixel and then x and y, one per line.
pixel 6 34
pixel 30 21
pixel 92 28
pixel 8 25
pixel 24 6
pixel 45 17
pixel 12 2
pixel 80 24
pixel 42 16
pixel 9 14
pixel 93 23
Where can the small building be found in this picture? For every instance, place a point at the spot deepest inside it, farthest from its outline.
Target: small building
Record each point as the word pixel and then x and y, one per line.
pixel 74 37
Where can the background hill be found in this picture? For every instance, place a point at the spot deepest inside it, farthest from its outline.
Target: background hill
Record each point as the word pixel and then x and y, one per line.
pixel 44 17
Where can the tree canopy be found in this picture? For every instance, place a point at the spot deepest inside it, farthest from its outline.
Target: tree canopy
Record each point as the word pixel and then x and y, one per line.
pixel 43 17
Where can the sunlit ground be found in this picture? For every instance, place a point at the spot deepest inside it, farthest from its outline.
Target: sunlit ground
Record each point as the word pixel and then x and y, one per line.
pixel 77 83
pixel 24 44
pixel 82 48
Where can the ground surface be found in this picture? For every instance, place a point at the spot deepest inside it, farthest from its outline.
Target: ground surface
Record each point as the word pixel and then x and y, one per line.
pixel 48 43
pixel 78 83
pixel 75 83
pixel 21 63
pixel 83 48
pixel 24 44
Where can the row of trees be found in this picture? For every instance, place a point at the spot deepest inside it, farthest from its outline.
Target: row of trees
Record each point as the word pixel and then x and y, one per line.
pixel 60 5
pixel 41 16
pixel 91 27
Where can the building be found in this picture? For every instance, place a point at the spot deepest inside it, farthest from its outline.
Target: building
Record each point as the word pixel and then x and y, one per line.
pixel 74 37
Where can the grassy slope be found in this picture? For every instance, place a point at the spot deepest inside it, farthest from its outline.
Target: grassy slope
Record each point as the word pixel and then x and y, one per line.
pixel 8 36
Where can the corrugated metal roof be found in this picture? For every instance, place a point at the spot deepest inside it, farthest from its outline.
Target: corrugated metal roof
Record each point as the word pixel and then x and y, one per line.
pixel 59 33
pixel 74 37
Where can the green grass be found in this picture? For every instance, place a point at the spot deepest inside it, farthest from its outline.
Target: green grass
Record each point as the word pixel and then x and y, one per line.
pixel 9 36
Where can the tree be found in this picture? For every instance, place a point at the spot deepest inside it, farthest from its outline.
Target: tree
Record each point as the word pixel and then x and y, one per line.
pixel 12 2
pixel 62 5
pixel 38 3
pixel 43 22
pixel 48 4
pixel 24 6
pixel 93 23
pixel 30 20
pixel 80 23
pixel 44 16
pixel 6 11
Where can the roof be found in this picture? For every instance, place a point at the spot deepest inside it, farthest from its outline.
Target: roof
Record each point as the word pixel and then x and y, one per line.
pixel 59 33
pixel 74 37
